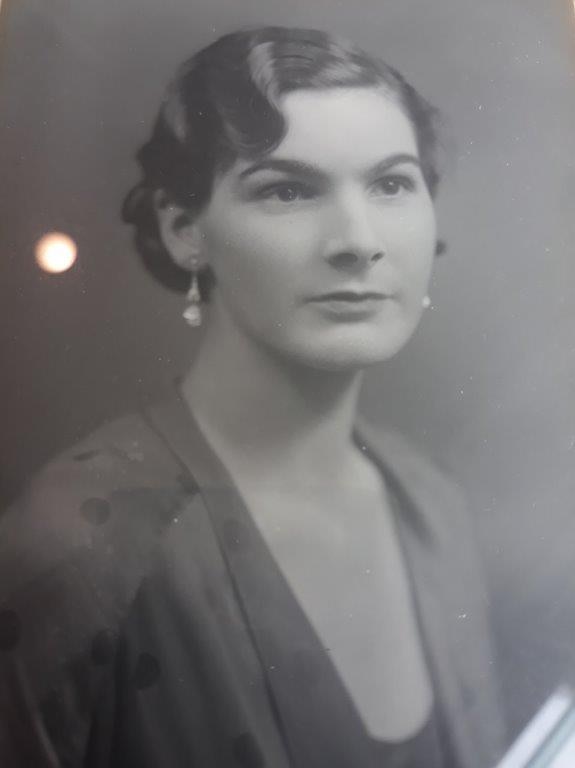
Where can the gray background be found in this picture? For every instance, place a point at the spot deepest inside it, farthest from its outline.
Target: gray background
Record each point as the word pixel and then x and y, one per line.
pixel 486 386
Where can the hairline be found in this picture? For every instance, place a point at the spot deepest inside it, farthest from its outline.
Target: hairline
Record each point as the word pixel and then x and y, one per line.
pixel 223 165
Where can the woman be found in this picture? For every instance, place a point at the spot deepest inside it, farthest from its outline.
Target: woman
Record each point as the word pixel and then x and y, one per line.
pixel 244 575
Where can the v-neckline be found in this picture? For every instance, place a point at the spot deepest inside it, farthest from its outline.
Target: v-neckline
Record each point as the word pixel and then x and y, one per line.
pixel 319 721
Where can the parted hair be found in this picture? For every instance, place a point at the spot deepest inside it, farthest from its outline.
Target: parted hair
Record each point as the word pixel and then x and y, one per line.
pixel 225 102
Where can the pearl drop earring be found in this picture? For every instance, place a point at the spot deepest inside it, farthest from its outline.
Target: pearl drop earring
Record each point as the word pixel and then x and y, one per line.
pixel 193 312
pixel 426 302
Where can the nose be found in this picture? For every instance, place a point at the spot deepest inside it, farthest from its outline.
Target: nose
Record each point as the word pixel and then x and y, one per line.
pixel 352 243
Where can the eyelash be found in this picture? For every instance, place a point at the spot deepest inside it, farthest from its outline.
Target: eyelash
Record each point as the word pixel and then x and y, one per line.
pixel 267 193
pixel 406 183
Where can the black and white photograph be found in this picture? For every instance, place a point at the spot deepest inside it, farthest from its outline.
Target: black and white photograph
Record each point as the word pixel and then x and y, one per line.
pixel 287 331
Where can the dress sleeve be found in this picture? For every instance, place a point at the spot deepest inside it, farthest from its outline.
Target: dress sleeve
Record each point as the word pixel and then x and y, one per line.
pixel 54 630
pixel 73 551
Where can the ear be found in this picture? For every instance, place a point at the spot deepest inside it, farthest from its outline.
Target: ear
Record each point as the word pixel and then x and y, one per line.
pixel 180 232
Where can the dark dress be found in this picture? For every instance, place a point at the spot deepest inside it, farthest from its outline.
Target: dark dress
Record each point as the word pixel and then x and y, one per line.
pixel 423 750
pixel 145 624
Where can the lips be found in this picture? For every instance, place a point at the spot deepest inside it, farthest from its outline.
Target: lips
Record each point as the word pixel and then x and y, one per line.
pixel 351 305
pixel 350 296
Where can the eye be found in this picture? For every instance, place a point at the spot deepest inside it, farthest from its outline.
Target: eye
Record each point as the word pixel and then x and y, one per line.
pixel 394 185
pixel 286 192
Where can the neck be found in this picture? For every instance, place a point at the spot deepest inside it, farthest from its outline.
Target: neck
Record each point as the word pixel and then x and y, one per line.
pixel 261 412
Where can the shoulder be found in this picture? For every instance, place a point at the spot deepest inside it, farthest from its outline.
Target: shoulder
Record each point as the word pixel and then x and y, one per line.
pixel 435 509
pixel 417 475
pixel 90 487
pixel 444 553
pixel 77 542
pixel 75 548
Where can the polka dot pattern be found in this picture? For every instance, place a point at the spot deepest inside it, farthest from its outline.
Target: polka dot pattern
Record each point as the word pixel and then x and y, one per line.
pixel 188 483
pixel 146 672
pixel 10 630
pixel 96 511
pixel 247 752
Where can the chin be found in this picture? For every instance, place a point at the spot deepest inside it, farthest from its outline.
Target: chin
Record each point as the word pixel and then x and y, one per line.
pixel 350 362
pixel 351 354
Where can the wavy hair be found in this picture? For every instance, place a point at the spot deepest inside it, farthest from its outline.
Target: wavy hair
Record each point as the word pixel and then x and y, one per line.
pixel 224 103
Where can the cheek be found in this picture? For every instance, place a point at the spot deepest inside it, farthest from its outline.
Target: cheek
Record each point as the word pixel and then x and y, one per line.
pixel 415 240
pixel 256 263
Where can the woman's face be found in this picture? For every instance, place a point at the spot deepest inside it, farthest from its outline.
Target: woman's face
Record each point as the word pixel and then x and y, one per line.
pixel 322 250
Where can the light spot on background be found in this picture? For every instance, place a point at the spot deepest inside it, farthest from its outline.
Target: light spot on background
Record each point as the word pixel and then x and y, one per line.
pixel 55 252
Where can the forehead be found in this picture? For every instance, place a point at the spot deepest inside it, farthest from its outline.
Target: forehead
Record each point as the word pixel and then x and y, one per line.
pixel 344 128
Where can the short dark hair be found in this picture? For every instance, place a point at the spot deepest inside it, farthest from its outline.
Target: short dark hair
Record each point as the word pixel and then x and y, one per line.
pixel 223 103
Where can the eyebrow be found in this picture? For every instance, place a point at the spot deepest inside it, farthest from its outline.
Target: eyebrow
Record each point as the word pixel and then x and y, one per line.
pixel 285 165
